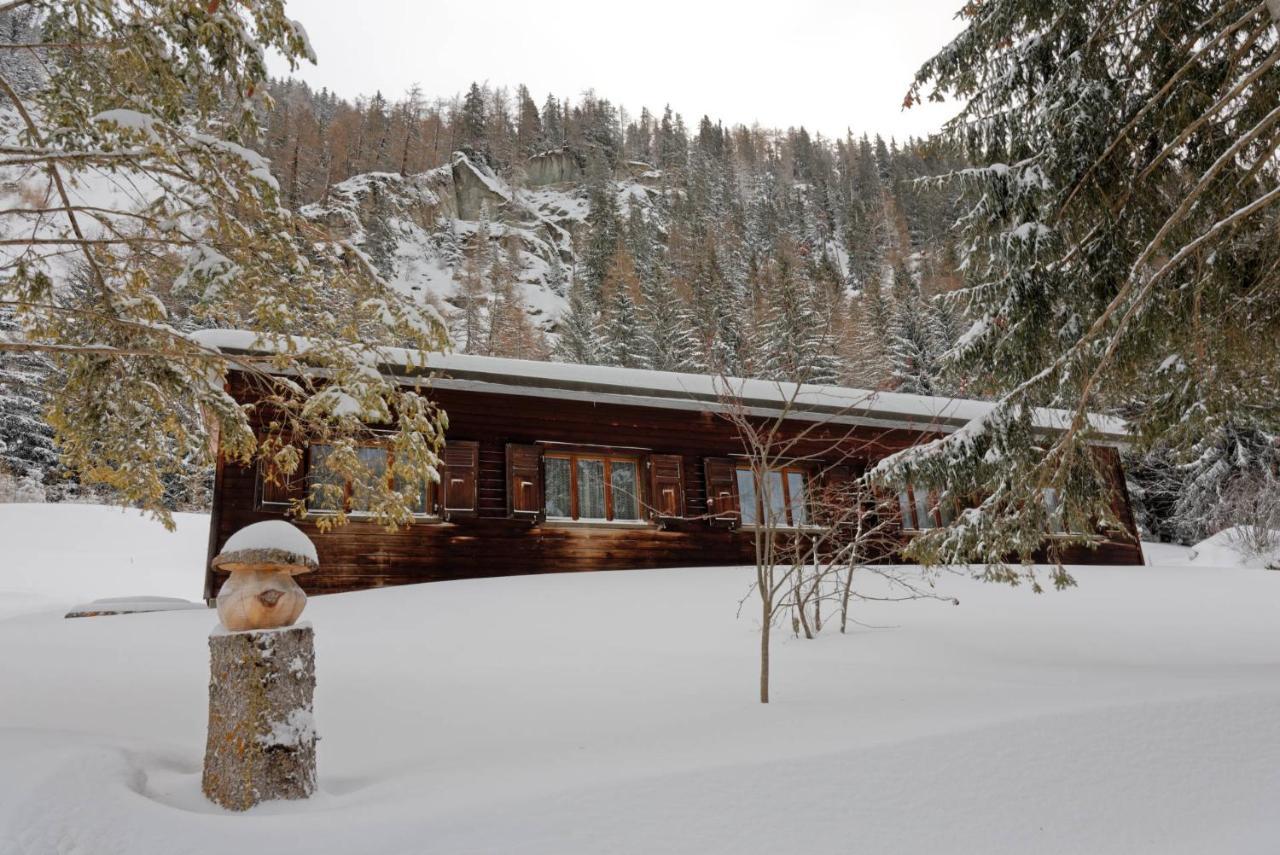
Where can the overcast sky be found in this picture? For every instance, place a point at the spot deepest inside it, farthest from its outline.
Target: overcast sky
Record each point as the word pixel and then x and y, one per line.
pixel 824 64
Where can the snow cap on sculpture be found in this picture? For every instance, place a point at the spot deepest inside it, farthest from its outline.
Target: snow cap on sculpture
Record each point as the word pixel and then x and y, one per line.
pixel 262 559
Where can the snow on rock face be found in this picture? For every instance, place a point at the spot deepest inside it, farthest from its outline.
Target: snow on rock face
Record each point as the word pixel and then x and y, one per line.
pixel 272 534
pixel 552 167
pixel 476 187
pixel 418 229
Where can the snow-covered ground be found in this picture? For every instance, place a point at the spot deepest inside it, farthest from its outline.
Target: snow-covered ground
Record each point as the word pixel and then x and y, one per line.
pixel 615 713
pixel 55 556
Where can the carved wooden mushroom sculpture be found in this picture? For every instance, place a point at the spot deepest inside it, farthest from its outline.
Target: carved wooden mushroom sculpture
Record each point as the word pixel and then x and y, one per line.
pixel 263 559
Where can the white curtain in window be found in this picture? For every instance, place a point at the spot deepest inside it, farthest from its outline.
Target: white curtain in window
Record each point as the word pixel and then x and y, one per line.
pixel 557 502
pixel 622 482
pixel 590 489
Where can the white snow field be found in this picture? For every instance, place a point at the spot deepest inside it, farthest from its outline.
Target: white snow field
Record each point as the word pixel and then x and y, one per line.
pixel 56 556
pixel 616 713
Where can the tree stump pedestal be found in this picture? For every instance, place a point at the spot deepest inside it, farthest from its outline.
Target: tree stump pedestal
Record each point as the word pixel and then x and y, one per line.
pixel 262 738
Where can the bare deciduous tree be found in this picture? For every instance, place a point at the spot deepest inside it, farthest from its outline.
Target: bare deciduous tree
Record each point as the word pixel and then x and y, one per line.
pixel 812 536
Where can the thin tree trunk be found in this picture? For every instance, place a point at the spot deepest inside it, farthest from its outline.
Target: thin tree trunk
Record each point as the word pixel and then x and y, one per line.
pixel 766 617
pixel 816 593
pixel 844 599
pixel 800 619
pixel 293 174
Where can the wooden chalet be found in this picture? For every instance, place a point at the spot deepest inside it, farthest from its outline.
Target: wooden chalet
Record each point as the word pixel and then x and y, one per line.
pixel 551 467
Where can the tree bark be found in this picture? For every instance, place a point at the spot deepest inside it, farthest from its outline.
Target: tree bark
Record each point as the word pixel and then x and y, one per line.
pixel 766 615
pixel 261 740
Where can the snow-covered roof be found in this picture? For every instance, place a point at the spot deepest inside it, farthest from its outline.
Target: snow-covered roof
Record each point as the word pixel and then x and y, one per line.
pixel 674 390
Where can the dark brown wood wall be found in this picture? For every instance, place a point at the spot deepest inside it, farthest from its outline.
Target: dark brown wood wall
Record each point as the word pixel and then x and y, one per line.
pixel 363 555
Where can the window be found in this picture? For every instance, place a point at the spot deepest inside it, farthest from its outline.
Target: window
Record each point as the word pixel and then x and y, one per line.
pixel 329 492
pixel 326 491
pixel 624 490
pixel 278 490
pixel 922 510
pixel 1053 504
pixel 787 492
pixel 798 498
pixel 559 488
pixel 592 487
pixel 375 459
pixel 590 482
pixel 747 500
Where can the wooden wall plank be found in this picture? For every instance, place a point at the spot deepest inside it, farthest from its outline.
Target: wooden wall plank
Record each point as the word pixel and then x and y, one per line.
pixel 362 555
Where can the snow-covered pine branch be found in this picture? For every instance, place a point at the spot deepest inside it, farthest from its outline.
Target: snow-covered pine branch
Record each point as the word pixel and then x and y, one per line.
pixel 1116 218
pixel 157 217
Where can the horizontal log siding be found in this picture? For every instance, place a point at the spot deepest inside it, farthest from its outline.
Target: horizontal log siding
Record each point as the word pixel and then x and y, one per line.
pixel 364 555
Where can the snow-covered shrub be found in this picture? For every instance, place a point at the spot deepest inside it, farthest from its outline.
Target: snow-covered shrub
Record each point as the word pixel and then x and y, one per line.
pixel 1186 496
pixel 1250 512
pixel 20 490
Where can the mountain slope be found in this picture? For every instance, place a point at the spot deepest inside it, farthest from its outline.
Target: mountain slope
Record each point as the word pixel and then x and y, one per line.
pixel 419 229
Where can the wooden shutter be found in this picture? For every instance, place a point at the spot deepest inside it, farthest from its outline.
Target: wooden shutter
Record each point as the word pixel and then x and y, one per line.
pixel 666 485
pixel 282 490
pixel 722 490
pixel 524 481
pixel 459 477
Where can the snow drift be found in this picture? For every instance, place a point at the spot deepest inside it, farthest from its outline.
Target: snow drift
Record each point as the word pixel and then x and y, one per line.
pixel 615 712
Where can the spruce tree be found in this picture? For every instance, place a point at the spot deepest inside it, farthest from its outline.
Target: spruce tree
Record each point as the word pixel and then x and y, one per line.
pixel 796 342
pixel 27 450
pixel 578 340
pixel 912 344
pixel 1230 455
pixel 621 344
pixel 529 127
pixel 603 229
pixel 1120 223
pixel 475 120
pixel 552 127
pixel 668 341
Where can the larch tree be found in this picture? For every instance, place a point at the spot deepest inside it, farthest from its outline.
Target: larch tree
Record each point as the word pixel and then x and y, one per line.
pixel 1119 248
pixel 468 320
pixel 148 217
pixel 509 330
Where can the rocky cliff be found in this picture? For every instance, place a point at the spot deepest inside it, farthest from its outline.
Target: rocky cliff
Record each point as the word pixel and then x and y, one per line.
pixel 418 229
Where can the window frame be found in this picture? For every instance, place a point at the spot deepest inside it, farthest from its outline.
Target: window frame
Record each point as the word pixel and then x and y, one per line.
pixel 608 459
pixel 430 499
pixel 784 473
pixel 1052 499
pixel 262 488
pixel 932 505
